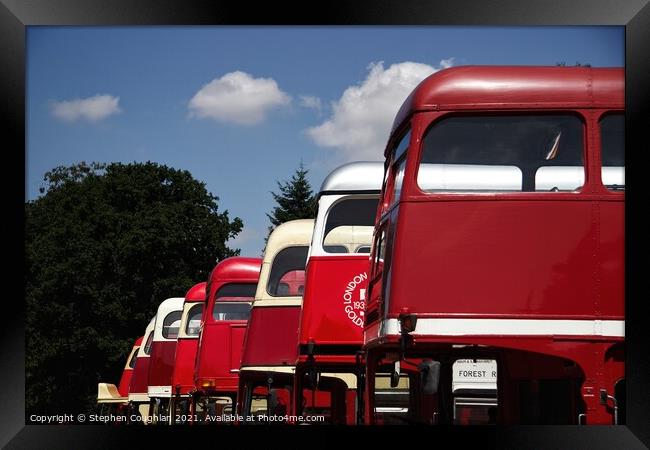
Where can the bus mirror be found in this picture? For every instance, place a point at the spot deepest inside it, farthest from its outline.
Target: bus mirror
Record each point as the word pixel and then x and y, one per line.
pixel 429 376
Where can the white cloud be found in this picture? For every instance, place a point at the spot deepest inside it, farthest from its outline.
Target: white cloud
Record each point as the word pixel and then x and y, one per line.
pixel 362 118
pixel 92 109
pixel 238 98
pixel 309 101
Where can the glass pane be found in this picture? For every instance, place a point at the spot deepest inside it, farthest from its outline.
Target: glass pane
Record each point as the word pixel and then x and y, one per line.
pixel 147 346
pixel 231 311
pixel 171 325
pixel 233 301
pixel 288 272
pixel 349 225
pixel 503 153
pixel 612 138
pixel 193 326
pixel 237 291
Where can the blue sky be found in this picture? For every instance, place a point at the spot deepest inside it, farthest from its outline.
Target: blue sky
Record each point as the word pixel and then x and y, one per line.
pixel 240 107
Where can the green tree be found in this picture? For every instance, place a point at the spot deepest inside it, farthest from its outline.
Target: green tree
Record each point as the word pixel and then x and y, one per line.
pixel 104 246
pixel 294 201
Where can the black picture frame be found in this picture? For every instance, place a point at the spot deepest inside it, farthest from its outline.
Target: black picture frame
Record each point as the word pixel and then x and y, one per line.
pixel 634 15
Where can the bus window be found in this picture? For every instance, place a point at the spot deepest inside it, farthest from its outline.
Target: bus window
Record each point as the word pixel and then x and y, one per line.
pixel 243 293
pixel 288 268
pixel 133 358
pixel 194 320
pixel 503 154
pixel 398 159
pixel 147 345
pixel 349 224
pixel 231 311
pixel 612 144
pixel 171 324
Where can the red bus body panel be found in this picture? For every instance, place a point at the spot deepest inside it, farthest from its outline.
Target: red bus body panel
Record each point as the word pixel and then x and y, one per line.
pixel 140 376
pixel 127 373
pixel 183 376
pixel 493 259
pixel 162 363
pixel 186 348
pixel 332 308
pixel 272 336
pixel 220 343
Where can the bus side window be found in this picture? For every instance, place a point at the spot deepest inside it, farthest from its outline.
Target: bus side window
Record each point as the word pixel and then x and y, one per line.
pixel 612 144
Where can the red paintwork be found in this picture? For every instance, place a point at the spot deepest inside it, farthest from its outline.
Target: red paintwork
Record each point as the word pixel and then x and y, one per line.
pixel 186 348
pixel 530 278
pixel 183 376
pixel 162 363
pixel 272 336
pixel 324 319
pixel 220 342
pixel 516 255
pixel 196 293
pixel 332 291
pixel 140 377
pixel 127 373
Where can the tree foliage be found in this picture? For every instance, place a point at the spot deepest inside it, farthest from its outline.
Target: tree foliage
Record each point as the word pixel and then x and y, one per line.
pixel 294 201
pixel 104 246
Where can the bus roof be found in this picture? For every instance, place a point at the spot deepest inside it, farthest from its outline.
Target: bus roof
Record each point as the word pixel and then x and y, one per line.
pixel 354 176
pixel 293 233
pixel 515 87
pixel 196 293
pixel 236 267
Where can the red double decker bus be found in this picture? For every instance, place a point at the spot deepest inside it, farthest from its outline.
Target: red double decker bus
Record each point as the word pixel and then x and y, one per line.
pixel 500 238
pixel 331 319
pixel 186 348
pixel 230 293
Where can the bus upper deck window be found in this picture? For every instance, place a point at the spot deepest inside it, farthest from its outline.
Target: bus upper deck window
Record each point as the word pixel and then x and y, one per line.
pixel 243 293
pixel 133 359
pixel 398 160
pixel 171 325
pixel 506 153
pixel 349 224
pixel 193 326
pixel 288 268
pixel 612 144
pixel 147 345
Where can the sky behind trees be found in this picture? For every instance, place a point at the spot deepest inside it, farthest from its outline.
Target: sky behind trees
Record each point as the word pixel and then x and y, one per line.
pixel 241 107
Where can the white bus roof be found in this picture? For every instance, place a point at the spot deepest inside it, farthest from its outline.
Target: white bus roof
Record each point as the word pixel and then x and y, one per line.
pixel 354 176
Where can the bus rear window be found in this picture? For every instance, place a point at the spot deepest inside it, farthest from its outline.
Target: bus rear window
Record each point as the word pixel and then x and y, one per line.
pixel 171 325
pixel 507 153
pixel 233 301
pixel 193 326
pixel 349 225
pixel 287 277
